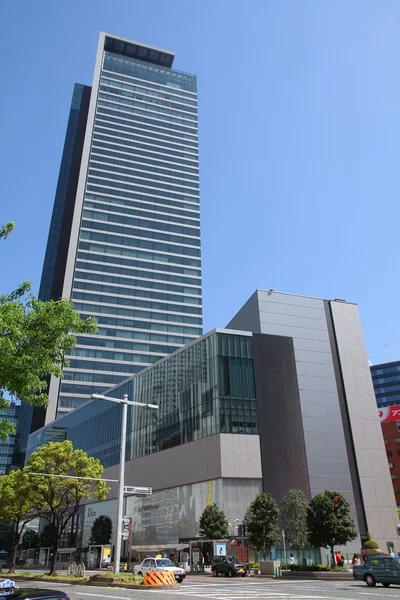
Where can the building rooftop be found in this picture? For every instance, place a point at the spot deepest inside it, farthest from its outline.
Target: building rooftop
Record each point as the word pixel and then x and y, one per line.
pixel 151 54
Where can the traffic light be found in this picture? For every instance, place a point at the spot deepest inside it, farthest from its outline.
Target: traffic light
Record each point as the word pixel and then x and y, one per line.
pixel 241 530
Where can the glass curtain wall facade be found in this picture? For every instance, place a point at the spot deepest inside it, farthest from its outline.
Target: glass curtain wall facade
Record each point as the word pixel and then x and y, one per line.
pixel 386 381
pixel 53 274
pixel 10 414
pixel 201 390
pixel 134 255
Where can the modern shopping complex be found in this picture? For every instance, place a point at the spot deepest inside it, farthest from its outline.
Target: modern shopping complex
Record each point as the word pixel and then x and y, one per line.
pixel 280 399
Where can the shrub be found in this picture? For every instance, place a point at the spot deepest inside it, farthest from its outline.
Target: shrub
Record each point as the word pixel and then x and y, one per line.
pixel 309 567
pixel 371 545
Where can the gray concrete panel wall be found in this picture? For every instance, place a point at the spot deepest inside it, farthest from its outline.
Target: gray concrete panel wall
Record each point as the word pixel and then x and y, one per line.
pixel 240 456
pixel 248 317
pixel 279 416
pixel 303 319
pixel 375 480
pixel 213 457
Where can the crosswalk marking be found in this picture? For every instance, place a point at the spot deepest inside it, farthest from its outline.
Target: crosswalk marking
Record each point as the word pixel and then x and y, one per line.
pixel 267 590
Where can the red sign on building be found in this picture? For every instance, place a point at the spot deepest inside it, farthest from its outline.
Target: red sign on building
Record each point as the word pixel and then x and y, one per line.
pixel 389 413
pixel 390 423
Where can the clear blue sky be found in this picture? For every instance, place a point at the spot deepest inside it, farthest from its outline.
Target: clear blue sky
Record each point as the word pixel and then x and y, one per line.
pixel 299 140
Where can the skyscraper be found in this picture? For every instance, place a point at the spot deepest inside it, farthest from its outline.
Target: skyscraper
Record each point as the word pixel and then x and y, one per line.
pixel 124 241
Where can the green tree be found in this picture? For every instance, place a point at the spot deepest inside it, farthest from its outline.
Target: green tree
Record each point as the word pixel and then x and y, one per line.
pixel 261 523
pixel 34 338
pixel 58 499
pixel 329 521
pixel 101 531
pixel 6 229
pixel 16 506
pixel 213 523
pixel 293 519
pixel 48 536
pixel 30 539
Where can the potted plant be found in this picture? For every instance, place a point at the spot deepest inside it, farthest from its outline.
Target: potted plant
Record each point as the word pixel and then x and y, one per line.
pixel 370 547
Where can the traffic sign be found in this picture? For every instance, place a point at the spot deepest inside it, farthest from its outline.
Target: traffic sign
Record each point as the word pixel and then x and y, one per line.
pixel 140 491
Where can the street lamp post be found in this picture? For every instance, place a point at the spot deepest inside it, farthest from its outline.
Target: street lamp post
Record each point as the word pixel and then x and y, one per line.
pixel 120 505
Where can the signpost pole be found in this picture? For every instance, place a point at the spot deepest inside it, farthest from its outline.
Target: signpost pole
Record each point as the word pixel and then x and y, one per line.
pixel 284 546
pixel 243 557
pixel 120 504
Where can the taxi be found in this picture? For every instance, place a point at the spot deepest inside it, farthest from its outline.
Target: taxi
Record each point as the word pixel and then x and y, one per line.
pixel 379 569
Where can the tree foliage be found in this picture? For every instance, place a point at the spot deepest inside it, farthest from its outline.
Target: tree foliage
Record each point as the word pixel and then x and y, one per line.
pixel 329 520
pixel 30 539
pixel 293 518
pixel 213 523
pixel 101 531
pixel 16 499
pixel 261 523
pixel 56 498
pixel 6 229
pixel 34 338
pixel 48 536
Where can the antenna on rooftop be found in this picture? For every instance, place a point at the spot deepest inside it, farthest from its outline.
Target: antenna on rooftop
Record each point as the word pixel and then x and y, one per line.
pixel 387 353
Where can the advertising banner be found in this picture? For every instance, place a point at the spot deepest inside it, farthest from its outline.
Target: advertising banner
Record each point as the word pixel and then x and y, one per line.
pixel 389 413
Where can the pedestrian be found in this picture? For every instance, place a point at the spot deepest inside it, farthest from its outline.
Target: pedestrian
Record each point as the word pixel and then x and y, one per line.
pixel 338 559
pixel 354 560
pixel 291 559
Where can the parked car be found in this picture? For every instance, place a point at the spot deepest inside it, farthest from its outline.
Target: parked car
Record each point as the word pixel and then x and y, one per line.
pixel 34 594
pixel 379 569
pixel 159 564
pixel 228 566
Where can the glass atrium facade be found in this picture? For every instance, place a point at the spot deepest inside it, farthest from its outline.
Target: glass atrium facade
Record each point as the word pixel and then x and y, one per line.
pixel 137 265
pixel 386 380
pixel 203 389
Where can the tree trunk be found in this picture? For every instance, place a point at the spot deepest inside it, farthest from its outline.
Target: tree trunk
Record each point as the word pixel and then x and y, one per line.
pixel 333 559
pixel 15 542
pixel 54 557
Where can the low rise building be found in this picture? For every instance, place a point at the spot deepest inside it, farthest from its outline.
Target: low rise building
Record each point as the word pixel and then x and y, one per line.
pixel 280 399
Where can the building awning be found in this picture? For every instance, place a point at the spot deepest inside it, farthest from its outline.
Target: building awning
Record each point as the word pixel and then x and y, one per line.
pixel 159 547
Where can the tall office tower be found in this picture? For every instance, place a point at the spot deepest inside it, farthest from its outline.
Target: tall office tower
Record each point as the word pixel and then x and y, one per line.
pixel 124 241
pixel 386 380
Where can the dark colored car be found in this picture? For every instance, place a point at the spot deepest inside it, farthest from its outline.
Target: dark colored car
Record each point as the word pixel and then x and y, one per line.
pixel 379 569
pixel 228 566
pixel 33 594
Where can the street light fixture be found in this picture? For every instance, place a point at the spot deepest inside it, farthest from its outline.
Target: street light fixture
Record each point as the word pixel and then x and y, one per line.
pixel 233 527
pixel 125 403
